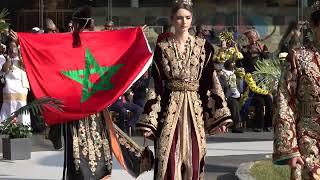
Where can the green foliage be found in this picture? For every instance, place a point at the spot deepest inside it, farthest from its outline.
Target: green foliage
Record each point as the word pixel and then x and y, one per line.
pixel 267 74
pixel 265 170
pixel 17 130
pixel 3 24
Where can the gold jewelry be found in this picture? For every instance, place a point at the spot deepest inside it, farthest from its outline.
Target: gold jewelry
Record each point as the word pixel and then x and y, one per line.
pixel 187 2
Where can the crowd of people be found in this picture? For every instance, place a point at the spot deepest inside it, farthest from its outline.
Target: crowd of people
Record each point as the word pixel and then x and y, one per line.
pixel 198 88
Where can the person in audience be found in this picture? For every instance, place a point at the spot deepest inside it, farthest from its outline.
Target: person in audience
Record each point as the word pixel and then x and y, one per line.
pixel 140 89
pixel 229 84
pixel 122 107
pixel 259 98
pixel 253 52
pixel 16 85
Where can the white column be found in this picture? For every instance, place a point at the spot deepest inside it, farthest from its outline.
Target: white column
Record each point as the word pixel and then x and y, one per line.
pixel 135 3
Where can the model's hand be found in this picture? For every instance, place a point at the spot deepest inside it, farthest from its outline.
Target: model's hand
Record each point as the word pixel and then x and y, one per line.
pixel 223 129
pixel 147 134
pixel 293 162
pixel 144 27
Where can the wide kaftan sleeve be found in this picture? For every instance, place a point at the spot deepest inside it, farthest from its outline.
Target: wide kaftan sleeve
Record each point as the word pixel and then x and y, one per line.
pixel 285 138
pixel 216 112
pixel 148 120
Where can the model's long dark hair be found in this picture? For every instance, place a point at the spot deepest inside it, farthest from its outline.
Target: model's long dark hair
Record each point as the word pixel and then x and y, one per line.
pixel 82 20
pixel 177 6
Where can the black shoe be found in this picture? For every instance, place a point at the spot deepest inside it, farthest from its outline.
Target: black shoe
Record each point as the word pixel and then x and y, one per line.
pixel 237 130
pixel 257 130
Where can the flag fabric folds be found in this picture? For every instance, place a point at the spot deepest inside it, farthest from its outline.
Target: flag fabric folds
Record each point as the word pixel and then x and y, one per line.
pixel 86 79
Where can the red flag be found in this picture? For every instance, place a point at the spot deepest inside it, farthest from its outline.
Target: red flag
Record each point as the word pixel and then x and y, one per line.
pixel 86 79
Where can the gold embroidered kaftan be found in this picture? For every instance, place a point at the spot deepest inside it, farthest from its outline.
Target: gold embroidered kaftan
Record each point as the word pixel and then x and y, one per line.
pixel 187 100
pixel 297 117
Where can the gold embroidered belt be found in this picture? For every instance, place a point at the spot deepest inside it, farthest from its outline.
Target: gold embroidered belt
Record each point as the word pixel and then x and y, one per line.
pixel 177 85
pixel 309 109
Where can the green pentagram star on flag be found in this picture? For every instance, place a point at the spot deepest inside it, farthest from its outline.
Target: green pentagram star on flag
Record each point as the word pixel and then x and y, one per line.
pixel 82 76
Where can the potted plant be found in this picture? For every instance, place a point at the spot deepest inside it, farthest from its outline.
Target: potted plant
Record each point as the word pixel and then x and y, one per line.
pixel 16 144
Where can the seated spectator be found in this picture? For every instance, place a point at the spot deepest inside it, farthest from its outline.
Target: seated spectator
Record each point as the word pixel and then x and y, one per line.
pixel 139 89
pixel 229 84
pixel 121 106
pixel 109 26
pixel 254 51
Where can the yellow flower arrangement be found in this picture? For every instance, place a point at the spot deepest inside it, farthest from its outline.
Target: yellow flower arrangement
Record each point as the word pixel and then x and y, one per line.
pixel 229 53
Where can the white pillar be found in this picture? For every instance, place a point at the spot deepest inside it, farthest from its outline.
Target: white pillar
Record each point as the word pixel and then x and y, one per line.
pixel 135 3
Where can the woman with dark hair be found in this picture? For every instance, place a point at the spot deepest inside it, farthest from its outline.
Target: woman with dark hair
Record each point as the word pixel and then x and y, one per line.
pixel 186 102
pixel 88 151
pixel 297 117
pixel 16 85
pixel 87 148
pixel 291 38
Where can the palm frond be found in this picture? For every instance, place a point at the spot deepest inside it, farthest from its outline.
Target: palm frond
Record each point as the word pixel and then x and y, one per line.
pixel 267 74
pixel 3 24
pixel 35 108
pixel 4 13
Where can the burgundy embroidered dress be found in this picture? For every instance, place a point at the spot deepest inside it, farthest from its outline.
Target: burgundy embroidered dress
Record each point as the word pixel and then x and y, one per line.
pixel 297 117
pixel 186 102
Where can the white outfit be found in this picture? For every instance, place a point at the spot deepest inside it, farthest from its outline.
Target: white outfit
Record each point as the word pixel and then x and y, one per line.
pixel 15 93
pixel 231 79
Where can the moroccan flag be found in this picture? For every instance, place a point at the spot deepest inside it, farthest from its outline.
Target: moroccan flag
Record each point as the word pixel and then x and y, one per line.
pixel 86 79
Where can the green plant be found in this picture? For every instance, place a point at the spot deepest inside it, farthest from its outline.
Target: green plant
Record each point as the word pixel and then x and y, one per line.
pixel 267 74
pixel 3 24
pixel 265 170
pixel 18 130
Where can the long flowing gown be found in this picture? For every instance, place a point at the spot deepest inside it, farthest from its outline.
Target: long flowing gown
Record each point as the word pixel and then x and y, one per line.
pixel 187 98
pixel 15 92
pixel 88 149
pixel 297 117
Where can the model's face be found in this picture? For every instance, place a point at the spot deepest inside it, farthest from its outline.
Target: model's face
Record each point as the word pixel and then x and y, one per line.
pixel 182 20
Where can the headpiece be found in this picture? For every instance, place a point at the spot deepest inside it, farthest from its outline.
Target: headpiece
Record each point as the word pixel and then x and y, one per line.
pixel 186 2
pixel 315 7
